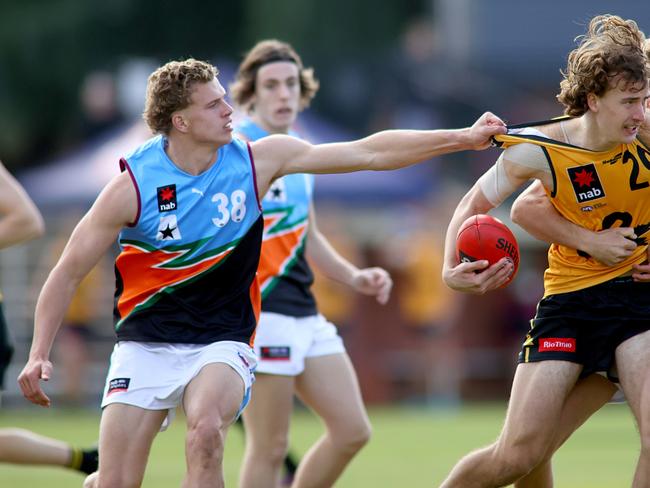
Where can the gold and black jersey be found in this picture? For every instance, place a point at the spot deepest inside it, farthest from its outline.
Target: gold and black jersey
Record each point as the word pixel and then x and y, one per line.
pixel 596 190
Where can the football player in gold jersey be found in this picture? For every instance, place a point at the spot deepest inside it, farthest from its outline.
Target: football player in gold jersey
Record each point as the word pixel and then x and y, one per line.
pixel 533 211
pixel 596 172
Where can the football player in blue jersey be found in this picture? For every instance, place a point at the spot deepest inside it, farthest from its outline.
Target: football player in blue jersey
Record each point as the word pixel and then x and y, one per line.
pixel 298 349
pixel 186 212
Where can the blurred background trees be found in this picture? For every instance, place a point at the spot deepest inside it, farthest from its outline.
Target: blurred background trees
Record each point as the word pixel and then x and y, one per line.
pixel 48 46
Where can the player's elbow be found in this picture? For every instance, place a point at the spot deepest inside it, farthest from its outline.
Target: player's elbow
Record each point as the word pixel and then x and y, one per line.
pixel 32 226
pixel 38 227
pixel 525 208
pixel 516 212
pixel 23 226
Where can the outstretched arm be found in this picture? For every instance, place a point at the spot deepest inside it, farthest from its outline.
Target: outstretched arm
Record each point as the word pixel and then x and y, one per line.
pixel 115 207
pixel 368 281
pixel 20 220
pixel 279 155
pixel 533 211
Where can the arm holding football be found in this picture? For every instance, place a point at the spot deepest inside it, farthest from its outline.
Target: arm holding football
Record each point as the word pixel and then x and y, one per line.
pixel 478 277
pixel 483 237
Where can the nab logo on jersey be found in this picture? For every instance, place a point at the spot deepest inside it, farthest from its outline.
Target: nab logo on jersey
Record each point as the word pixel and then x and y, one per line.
pixel 586 184
pixel 167 198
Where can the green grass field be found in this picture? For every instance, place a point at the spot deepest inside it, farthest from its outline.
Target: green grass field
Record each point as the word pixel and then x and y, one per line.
pixel 411 447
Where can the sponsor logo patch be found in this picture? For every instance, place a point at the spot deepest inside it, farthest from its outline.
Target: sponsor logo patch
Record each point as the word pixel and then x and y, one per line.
pixel 167 198
pixel 562 344
pixel 509 248
pixel 118 384
pixel 614 159
pixel 586 183
pixel 168 228
pixel 275 353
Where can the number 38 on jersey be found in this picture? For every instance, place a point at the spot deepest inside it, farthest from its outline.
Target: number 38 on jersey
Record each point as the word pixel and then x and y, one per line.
pixel 229 207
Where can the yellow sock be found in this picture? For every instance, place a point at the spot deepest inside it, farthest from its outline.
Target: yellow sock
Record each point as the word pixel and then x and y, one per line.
pixel 76 457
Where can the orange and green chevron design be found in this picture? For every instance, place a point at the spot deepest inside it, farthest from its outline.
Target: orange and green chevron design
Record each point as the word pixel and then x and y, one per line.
pixel 147 272
pixel 282 243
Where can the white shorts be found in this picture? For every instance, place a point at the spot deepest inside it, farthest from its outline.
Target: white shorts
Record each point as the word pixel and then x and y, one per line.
pixel 283 342
pixel 153 375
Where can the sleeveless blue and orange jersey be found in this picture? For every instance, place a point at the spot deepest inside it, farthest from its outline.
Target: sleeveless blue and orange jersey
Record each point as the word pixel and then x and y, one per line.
pixel 186 271
pixel 284 274
pixel 596 190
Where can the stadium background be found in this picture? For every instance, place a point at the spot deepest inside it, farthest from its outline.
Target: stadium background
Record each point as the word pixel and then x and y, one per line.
pixel 391 64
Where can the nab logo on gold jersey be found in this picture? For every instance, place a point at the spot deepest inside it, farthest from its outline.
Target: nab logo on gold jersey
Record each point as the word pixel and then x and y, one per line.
pixel 586 183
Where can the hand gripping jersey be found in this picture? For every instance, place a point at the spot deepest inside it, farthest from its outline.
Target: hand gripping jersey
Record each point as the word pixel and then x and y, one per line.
pixel 186 271
pixel 597 190
pixel 284 274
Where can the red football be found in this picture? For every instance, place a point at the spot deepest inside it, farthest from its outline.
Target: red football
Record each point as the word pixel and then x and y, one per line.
pixel 485 237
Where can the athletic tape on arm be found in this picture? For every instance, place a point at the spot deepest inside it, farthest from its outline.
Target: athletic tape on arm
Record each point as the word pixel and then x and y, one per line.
pixel 496 185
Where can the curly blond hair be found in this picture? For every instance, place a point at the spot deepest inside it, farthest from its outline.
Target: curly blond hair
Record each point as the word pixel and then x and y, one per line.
pixel 611 51
pixel 243 88
pixel 169 89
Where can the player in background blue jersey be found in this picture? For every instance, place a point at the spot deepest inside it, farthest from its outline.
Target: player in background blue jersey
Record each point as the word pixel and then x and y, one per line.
pixel 186 294
pixel 298 350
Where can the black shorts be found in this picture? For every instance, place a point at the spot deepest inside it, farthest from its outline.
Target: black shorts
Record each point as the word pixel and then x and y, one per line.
pixel 586 326
pixel 6 348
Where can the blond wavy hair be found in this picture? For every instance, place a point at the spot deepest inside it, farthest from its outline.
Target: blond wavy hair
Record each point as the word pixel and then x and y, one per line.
pixel 169 89
pixel 242 89
pixel 612 51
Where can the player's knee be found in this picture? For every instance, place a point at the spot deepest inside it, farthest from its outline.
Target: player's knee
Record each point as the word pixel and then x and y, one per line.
pixel 519 460
pixel 276 450
pixel 353 438
pixel 205 440
pixel 271 448
pixel 645 442
pixel 363 434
